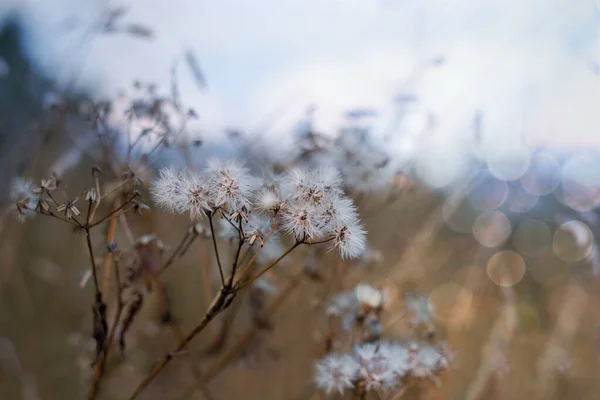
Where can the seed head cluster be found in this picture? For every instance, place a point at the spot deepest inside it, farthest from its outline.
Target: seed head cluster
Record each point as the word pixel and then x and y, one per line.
pixel 380 366
pixel 309 205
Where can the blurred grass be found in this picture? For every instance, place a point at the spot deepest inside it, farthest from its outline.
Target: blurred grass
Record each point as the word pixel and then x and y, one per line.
pixel 46 315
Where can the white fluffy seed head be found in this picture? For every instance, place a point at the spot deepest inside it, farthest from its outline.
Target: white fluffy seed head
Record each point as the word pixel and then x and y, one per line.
pixel 269 202
pixel 349 240
pixel 336 373
pixel 306 187
pixel 329 179
pixel 339 211
pixel 195 198
pixel 302 221
pixel 229 185
pixel 168 189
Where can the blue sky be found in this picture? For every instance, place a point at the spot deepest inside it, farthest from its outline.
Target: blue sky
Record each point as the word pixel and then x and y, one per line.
pixel 527 65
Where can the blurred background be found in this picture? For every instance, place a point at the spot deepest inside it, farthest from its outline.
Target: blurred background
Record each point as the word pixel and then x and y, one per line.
pixel 489 108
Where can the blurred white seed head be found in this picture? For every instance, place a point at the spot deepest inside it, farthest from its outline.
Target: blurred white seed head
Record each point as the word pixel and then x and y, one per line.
pixel 23 199
pixel 369 297
pixel 376 367
pixel 168 189
pixel 336 373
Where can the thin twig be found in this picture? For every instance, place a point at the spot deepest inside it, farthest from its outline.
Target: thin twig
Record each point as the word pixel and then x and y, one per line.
pixel 175 253
pixel 220 303
pixel 114 212
pixel 107 266
pixel 214 240
pixel 93 261
pixel 261 273
pixel 100 365
pixel 241 343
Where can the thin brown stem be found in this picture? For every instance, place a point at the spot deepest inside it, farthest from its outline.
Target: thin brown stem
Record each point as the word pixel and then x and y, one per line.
pixel 220 303
pixel 205 269
pixel 320 241
pixel 120 185
pixel 96 202
pixel 107 266
pixel 253 258
pixel 214 240
pixel 243 340
pixel 237 255
pixel 113 212
pixel 100 365
pixel 261 273
pixel 93 261
pixel 175 253
pixel 51 214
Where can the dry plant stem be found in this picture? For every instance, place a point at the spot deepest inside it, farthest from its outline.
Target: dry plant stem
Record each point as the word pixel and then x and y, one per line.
pixel 113 212
pixel 51 214
pixel 219 303
pixel 100 365
pixel 261 273
pixel 126 229
pixel 107 267
pixel 205 269
pixel 92 213
pixel 119 186
pixel 178 334
pixel 93 260
pixel 237 255
pixel 253 258
pixel 214 240
pixel 175 253
pixel 231 315
pixel 241 343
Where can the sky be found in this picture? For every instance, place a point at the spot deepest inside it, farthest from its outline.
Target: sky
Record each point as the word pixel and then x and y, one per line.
pixel 529 68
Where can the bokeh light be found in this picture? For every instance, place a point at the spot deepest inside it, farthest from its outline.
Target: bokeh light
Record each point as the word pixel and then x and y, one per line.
pixel 521 201
pixel 572 241
pixel 486 192
pixel 581 183
pixel 491 228
pixel 450 302
pixel 506 268
pixel 542 176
